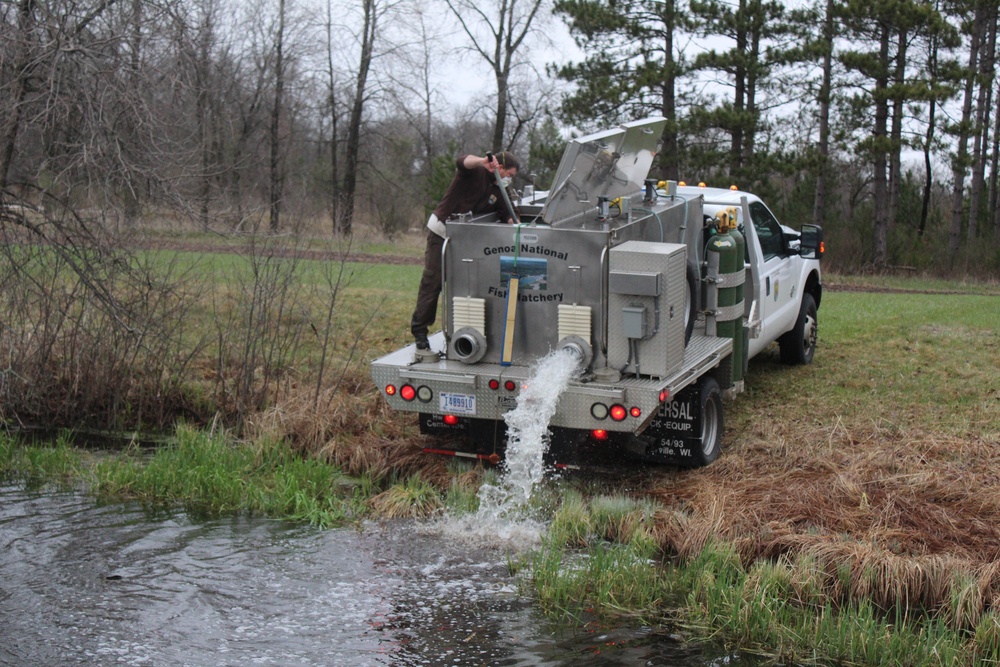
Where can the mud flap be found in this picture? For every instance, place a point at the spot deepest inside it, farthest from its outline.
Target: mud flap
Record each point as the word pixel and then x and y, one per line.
pixel 687 431
pixel 478 438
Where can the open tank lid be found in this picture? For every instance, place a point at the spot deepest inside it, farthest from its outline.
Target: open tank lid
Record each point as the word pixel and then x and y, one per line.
pixel 611 163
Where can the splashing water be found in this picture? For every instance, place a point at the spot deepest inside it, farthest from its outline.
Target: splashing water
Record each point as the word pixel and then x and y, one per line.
pixel 528 438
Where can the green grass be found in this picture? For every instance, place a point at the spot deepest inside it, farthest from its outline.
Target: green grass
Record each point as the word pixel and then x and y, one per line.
pixel 371 296
pixel 58 464
pixel 917 361
pixel 766 608
pixel 902 363
pixel 213 475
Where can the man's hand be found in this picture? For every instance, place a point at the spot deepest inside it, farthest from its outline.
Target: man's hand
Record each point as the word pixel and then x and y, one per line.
pixel 490 162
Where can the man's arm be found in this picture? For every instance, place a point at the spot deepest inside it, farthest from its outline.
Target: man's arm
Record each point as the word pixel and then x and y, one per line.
pixel 473 161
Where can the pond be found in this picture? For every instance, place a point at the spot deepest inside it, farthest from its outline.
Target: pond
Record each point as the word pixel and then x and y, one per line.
pixel 116 585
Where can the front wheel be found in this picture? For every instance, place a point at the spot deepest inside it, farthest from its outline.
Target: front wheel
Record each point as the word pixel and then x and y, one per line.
pixel 799 345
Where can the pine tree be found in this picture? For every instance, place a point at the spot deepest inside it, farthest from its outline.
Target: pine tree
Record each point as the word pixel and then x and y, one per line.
pixel 882 32
pixel 630 70
pixel 758 31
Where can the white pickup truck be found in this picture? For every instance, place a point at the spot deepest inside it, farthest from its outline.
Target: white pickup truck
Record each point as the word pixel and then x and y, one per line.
pixel 662 293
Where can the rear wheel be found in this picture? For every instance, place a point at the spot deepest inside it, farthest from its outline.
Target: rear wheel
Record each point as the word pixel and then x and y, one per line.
pixel 711 418
pixel 799 345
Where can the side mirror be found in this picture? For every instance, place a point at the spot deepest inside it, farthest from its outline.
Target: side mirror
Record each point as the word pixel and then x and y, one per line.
pixel 811 244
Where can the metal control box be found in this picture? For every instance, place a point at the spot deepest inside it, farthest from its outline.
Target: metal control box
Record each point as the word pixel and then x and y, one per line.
pixel 647 300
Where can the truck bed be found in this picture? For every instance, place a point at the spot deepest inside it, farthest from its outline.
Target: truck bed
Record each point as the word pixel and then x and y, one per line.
pixel 472 380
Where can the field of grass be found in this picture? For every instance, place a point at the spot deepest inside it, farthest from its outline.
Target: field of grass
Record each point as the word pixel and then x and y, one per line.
pixel 853 512
pixel 852 516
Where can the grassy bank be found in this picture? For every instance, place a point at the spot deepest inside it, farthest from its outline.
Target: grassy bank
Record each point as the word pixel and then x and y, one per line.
pixel 201 473
pixel 793 608
pixel 851 517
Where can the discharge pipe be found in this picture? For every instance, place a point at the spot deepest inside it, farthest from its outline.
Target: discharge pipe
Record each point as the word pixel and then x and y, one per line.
pixel 579 349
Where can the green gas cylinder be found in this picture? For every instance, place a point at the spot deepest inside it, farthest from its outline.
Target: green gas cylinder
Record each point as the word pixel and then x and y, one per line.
pixel 740 280
pixel 729 315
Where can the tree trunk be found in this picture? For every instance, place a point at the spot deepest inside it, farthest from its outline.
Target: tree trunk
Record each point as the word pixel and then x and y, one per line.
pixel 925 201
pixel 880 249
pixel 982 128
pixel 750 136
pixel 202 77
pixel 823 171
pixel 277 179
pixel 501 121
pixel 22 72
pixel 334 174
pixel 959 161
pixel 354 124
pixel 669 159
pixel 896 137
pixel 995 177
pixel 739 97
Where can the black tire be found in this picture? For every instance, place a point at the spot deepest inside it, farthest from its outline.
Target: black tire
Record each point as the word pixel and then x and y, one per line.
pixel 799 345
pixel 691 312
pixel 712 423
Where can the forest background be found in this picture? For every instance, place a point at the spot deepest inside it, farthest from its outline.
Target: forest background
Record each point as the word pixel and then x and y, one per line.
pixel 874 118
pixel 130 129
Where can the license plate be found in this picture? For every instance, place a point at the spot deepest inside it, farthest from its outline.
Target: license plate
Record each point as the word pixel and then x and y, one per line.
pixel 458 404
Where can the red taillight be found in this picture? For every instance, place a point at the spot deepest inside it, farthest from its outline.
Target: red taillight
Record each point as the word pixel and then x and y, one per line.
pixel 635 412
pixel 599 434
pixel 450 420
pixel 390 390
pixel 510 385
pixel 664 395
pixel 494 384
pixel 618 412
pixel 407 392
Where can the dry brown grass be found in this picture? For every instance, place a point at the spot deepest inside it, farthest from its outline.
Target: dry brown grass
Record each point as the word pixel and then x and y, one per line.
pixel 896 517
pixel 353 428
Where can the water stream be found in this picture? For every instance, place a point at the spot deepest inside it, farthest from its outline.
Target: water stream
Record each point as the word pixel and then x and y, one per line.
pixel 84 584
pixel 527 440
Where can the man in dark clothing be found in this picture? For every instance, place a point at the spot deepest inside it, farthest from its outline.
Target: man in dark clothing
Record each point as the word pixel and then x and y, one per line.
pixel 473 189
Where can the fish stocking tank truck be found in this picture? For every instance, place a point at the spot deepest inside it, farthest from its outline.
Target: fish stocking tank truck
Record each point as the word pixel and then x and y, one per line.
pixel 662 293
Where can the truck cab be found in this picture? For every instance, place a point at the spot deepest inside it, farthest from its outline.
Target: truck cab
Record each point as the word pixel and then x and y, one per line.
pixel 780 270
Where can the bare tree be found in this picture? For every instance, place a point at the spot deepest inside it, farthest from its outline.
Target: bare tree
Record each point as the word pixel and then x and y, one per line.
pixel 412 86
pixel 507 24
pixel 369 33
pixel 277 178
pixel 825 90
pixel 981 129
pixel 335 203
pixel 17 92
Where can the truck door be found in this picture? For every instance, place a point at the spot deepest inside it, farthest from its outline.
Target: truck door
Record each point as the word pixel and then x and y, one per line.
pixel 779 307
